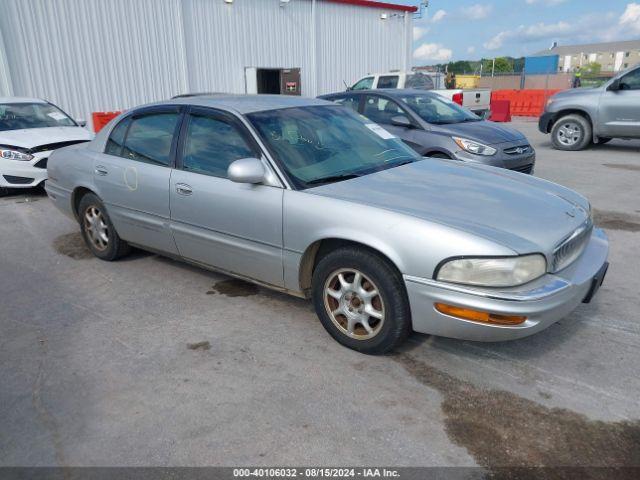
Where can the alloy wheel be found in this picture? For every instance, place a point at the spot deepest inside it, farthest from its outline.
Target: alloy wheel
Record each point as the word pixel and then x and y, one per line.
pixel 96 228
pixel 354 304
pixel 569 133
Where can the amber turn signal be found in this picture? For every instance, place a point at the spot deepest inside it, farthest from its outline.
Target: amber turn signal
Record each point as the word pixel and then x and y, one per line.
pixel 479 316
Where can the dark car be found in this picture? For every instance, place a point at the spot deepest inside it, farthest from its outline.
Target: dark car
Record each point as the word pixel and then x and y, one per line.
pixel 435 126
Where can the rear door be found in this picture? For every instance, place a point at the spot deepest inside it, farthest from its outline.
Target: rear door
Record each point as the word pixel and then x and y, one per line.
pixel 132 176
pixel 619 110
pixel 231 226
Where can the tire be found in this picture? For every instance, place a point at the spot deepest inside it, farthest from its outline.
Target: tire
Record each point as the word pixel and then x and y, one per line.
pixel 386 332
pixel 4 192
pixel 97 230
pixel 571 132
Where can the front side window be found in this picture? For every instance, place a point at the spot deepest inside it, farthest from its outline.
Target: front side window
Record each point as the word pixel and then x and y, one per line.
pixel 212 144
pixel 149 138
pixel 364 84
pixel 316 145
pixel 381 110
pixel 19 116
pixel 437 110
pixel 631 81
pixel 388 81
pixel 351 102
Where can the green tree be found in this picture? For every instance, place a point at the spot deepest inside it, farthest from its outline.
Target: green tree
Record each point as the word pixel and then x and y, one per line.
pixel 592 69
pixel 502 65
pixel 461 66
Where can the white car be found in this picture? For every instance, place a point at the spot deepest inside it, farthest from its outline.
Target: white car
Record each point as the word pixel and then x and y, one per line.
pixel 478 100
pixel 30 129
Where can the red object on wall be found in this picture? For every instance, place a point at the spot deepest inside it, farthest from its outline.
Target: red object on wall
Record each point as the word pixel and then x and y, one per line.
pixel 524 103
pixel 100 119
pixel 500 111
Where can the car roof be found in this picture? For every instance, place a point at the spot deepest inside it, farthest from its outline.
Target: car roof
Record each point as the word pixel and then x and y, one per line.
pixel 248 103
pixel 389 92
pixel 21 100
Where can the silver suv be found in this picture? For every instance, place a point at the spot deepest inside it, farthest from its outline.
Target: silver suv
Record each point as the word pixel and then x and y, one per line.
pixel 575 118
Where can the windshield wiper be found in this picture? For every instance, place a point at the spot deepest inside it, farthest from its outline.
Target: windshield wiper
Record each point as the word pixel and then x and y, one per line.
pixel 332 178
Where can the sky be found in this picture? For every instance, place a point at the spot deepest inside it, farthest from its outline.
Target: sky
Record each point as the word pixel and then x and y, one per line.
pixel 472 29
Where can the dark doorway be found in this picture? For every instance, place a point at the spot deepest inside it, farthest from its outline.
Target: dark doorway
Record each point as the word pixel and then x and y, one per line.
pixel 268 80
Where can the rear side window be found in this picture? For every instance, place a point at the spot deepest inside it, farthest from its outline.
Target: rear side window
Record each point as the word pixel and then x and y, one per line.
pixel 150 138
pixel 420 81
pixel 364 84
pixel 212 144
pixel 388 81
pixel 116 139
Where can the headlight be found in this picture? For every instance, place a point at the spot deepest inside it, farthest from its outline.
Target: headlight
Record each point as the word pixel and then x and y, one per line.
pixel 493 272
pixel 474 147
pixel 15 155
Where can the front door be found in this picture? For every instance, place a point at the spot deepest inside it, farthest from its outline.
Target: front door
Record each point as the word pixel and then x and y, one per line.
pixel 381 110
pixel 619 111
pixel 132 176
pixel 231 226
pixel 290 81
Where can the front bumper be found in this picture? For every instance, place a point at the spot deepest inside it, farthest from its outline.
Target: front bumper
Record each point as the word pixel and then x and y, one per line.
pixel 543 301
pixel 544 123
pixel 21 174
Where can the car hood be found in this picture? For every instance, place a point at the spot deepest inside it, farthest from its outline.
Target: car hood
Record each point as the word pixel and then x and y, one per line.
pixel 34 137
pixel 518 211
pixel 574 92
pixel 486 132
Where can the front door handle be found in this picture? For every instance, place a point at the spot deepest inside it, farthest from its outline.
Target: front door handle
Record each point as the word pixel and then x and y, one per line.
pixel 100 170
pixel 183 189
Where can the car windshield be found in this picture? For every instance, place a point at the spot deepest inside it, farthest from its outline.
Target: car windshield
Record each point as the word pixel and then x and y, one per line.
pixel 437 110
pixel 17 116
pixel 322 144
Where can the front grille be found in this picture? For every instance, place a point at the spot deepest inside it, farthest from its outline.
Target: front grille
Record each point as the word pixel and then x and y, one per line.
pixel 571 247
pixel 519 150
pixel 523 168
pixel 54 146
pixel 42 163
pixel 17 180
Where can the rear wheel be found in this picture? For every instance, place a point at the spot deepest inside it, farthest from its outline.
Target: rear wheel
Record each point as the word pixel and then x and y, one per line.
pixel 571 132
pixel 361 300
pixel 98 231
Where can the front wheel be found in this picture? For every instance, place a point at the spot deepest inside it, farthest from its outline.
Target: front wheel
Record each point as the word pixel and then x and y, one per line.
pixel 571 132
pixel 98 231
pixel 361 300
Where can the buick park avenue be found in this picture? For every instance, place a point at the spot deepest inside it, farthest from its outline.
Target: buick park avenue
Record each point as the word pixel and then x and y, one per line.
pixel 312 199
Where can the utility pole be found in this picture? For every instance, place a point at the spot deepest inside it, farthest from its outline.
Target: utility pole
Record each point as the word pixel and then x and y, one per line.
pixel 493 67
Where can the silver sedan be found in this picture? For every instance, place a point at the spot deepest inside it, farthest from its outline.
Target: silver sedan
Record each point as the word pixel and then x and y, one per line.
pixel 307 197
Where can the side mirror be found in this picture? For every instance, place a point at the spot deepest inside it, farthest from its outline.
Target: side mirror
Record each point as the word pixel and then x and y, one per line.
pixel 246 170
pixel 81 122
pixel 614 86
pixel 401 121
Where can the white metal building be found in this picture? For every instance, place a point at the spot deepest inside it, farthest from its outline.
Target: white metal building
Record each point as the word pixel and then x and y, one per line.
pixel 103 55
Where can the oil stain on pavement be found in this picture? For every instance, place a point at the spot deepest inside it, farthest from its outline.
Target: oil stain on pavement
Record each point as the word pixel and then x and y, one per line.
pixel 72 245
pixel 622 166
pixel 234 287
pixel 616 221
pixel 508 434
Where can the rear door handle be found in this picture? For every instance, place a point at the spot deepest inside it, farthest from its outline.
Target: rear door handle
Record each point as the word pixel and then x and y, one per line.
pixel 183 189
pixel 100 170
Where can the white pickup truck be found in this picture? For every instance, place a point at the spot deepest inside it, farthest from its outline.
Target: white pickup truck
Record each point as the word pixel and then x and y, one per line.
pixel 477 100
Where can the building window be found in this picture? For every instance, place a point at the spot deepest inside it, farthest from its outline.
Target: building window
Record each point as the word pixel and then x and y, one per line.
pixel 626 65
pixel 626 54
